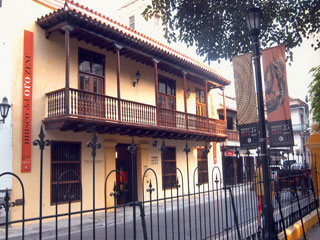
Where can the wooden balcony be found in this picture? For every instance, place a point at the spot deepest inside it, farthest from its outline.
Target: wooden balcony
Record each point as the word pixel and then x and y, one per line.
pixel 233 135
pixel 86 111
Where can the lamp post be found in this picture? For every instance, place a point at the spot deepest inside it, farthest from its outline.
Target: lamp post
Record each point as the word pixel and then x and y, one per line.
pixel 4 109
pixel 253 19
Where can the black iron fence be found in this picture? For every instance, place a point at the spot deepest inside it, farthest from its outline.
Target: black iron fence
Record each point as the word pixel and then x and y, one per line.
pixel 192 209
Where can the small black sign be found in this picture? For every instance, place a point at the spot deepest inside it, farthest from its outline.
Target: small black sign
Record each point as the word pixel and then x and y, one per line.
pixel 249 135
pixel 280 133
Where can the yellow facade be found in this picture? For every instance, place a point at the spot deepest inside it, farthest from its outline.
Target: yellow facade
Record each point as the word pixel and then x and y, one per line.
pixel 49 75
pixel 314 146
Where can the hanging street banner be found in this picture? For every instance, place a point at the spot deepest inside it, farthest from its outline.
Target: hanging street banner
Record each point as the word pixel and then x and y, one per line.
pixel 277 97
pixel 246 101
pixel 27 101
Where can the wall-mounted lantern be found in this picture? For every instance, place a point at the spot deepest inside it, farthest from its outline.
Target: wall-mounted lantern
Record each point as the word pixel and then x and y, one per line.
pixel 136 79
pixel 4 109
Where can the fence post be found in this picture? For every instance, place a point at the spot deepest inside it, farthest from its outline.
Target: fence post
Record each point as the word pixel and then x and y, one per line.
pixel 115 194
pixel 94 145
pixel 42 144
pixel 163 149
pixel 187 150
pixel 6 205
pixel 133 149
pixel 300 214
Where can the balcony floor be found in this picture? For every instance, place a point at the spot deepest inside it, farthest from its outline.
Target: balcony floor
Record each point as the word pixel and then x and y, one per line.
pixel 102 126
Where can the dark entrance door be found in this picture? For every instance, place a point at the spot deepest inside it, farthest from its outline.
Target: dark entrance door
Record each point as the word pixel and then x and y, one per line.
pixel 124 181
pixel 228 171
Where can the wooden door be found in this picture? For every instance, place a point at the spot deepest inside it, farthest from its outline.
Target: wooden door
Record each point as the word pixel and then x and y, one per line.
pixel 201 109
pixel 91 99
pixel 167 102
pixel 91 83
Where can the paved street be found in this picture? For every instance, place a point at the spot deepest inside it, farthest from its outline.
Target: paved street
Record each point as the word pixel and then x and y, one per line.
pixel 220 217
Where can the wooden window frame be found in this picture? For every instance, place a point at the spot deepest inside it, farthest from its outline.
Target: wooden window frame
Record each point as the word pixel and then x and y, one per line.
pixel 229 118
pixel 200 104
pixel 164 174
pixel 162 78
pixel 132 22
pixel 90 74
pixel 51 164
pixel 200 179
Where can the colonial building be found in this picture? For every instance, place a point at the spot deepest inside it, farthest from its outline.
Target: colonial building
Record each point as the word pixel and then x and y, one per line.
pixel 77 72
pixel 300 126
pixel 237 165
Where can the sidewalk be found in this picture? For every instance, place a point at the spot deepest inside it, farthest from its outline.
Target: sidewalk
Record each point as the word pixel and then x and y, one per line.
pixel 313 234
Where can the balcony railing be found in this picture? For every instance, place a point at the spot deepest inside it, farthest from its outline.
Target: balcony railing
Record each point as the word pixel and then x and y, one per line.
pixel 233 135
pixel 97 106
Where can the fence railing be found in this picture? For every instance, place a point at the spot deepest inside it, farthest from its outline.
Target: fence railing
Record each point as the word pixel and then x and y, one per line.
pixel 93 105
pixel 193 208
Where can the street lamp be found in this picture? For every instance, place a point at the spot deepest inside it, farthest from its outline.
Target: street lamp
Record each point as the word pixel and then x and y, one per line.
pixel 4 109
pixel 254 19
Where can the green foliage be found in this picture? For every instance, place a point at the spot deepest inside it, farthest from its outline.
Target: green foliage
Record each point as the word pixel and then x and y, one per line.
pixel 314 91
pixel 218 28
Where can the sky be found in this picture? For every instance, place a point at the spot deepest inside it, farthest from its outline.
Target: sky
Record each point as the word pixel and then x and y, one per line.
pixel 298 75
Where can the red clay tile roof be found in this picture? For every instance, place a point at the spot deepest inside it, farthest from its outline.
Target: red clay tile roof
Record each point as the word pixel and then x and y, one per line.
pixel 70 5
pixel 297 102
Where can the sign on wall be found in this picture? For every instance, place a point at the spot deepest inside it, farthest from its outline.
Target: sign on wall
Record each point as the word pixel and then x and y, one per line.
pixel 27 101
pixel 277 97
pixel 214 149
pixel 246 101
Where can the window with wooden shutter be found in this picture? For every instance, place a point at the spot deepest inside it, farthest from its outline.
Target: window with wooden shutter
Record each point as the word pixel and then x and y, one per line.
pixel 201 103
pixel 202 166
pixel 169 176
pixel 65 156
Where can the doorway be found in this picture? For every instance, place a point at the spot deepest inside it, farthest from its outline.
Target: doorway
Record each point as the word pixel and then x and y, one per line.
pixel 124 180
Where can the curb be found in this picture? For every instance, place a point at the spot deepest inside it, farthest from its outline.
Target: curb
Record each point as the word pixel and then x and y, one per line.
pixel 295 231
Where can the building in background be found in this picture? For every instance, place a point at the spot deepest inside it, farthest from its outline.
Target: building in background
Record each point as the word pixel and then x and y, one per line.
pixel 300 126
pixel 237 164
pixel 130 14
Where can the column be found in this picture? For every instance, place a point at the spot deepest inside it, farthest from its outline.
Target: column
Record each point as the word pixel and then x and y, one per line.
pixel 118 48
pixel 67 29
pixel 185 96
pixel 155 61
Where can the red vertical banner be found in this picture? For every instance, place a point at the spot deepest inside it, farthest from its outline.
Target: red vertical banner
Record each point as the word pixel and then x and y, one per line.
pixel 27 79
pixel 214 149
pixel 277 97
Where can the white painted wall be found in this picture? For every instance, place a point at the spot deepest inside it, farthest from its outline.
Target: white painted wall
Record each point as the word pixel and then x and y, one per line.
pixel 135 8
pixel 5 90
pixel 298 135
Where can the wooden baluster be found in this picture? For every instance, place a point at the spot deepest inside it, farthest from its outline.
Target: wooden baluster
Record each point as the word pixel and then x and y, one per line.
pixel 57 103
pixel 54 104
pixel 72 101
pixel 110 108
pixel 107 107
pixel 48 105
pixel 58 96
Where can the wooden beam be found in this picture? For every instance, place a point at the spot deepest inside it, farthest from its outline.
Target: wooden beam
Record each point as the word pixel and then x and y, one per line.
pixel 67 29
pixel 156 86
pixel 224 108
pixel 118 48
pixel 185 97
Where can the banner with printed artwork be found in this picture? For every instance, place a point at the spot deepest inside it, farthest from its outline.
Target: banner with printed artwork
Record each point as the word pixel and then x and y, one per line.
pixel 277 97
pixel 246 100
